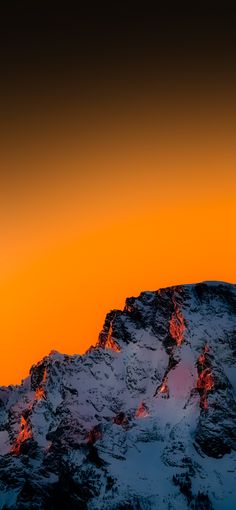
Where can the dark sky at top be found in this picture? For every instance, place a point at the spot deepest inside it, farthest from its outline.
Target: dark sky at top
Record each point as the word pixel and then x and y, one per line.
pixel 57 54
pixel 48 38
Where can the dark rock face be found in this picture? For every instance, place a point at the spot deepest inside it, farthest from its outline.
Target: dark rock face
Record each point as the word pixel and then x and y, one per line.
pixel 216 430
pixel 37 374
pixel 146 419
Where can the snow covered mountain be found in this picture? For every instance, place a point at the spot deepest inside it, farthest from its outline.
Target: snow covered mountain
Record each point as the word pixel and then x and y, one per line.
pixel 146 419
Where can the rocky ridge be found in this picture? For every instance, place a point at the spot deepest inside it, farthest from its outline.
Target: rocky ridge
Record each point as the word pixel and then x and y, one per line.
pixel 144 420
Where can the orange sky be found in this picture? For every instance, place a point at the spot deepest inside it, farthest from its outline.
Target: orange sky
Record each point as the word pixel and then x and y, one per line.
pixel 91 216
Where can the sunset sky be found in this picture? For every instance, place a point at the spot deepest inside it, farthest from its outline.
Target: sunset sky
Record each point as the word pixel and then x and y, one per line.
pixel 118 182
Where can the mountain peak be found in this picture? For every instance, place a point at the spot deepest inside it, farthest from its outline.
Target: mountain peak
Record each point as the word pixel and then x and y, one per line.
pixel 145 419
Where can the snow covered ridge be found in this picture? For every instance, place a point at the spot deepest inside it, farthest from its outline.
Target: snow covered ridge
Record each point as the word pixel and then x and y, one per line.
pixel 146 419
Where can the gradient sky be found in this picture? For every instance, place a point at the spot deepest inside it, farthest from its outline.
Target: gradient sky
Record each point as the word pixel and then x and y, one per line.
pixel 127 185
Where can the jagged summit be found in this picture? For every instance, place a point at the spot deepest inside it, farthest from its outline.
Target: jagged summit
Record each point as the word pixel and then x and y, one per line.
pixel 144 420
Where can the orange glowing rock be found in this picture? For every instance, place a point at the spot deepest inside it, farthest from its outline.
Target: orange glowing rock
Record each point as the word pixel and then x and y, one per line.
pixel 39 393
pixel 44 376
pixel 94 435
pixel 120 419
pixel 202 359
pixel 142 411
pixel 129 308
pixel 176 325
pixel 209 382
pixel 24 434
pixel 205 380
pixel 110 343
pixel 205 383
pixel 204 402
pixel 164 388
